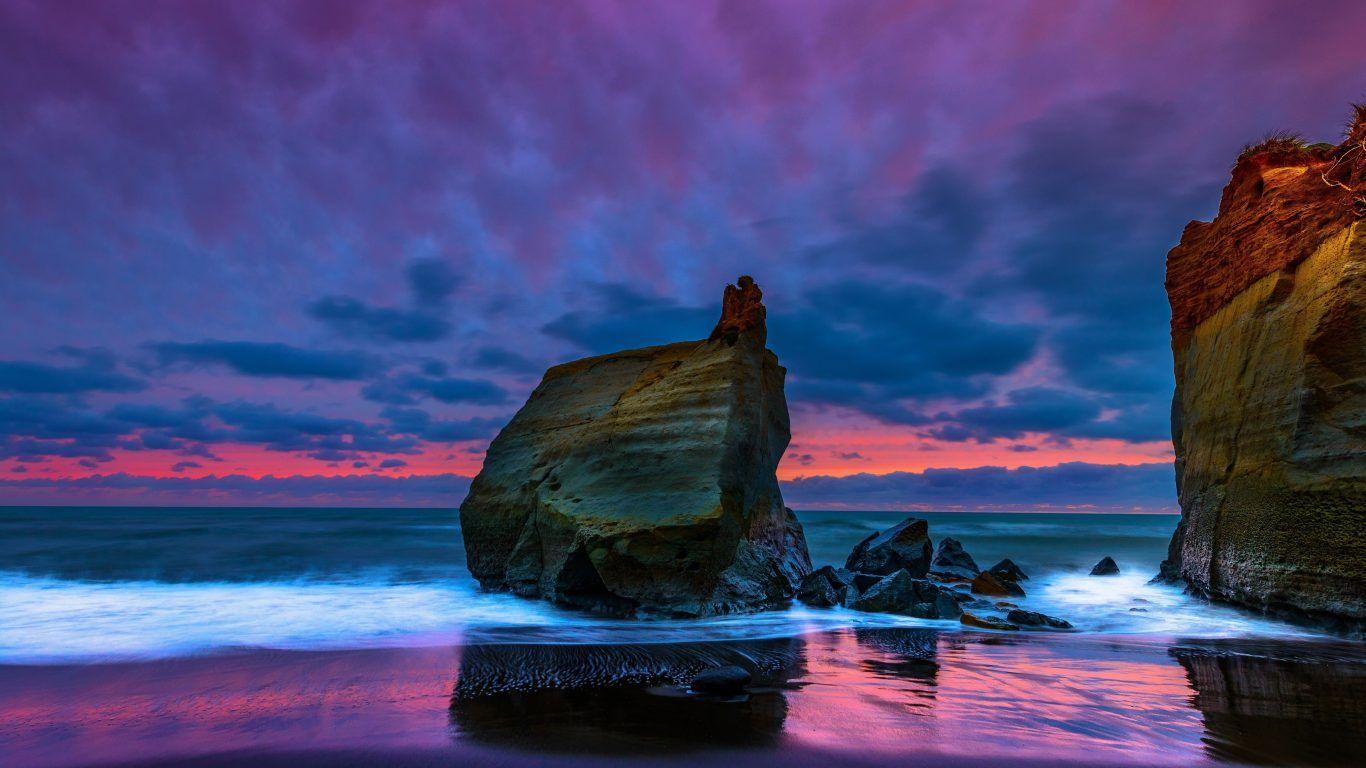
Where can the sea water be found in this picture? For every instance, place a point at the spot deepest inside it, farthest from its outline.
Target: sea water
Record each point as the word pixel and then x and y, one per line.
pixel 92 584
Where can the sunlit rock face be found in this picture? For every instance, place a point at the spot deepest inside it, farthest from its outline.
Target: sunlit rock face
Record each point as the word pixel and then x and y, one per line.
pixel 1269 418
pixel 644 480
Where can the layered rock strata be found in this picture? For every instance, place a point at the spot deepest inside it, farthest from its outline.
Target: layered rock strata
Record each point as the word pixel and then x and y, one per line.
pixel 1269 417
pixel 644 481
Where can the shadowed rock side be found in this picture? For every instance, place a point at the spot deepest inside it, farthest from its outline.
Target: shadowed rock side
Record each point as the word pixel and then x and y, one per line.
pixel 1269 418
pixel 643 481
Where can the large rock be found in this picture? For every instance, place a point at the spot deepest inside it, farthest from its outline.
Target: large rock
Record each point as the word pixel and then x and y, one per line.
pixel 905 545
pixel 902 593
pixel 643 481
pixel 1269 418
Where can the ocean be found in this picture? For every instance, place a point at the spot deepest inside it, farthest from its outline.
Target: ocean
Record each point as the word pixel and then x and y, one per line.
pixel 100 584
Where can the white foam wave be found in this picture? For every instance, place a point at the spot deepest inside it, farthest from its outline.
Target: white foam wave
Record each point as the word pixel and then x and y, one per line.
pixel 46 619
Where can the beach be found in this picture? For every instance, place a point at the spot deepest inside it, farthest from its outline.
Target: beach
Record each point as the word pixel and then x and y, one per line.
pixel 834 697
pixel 163 637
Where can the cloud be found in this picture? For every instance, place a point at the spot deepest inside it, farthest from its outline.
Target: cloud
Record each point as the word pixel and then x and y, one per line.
pixel 619 316
pixel 39 378
pixel 1076 485
pixel 443 490
pixel 432 281
pixel 1034 409
pixel 353 317
pixel 251 358
pixel 406 389
pixel 497 358
pixel 46 427
pixel 420 424
pixel 861 344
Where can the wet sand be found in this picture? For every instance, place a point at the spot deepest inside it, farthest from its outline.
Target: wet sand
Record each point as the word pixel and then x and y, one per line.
pixel 846 697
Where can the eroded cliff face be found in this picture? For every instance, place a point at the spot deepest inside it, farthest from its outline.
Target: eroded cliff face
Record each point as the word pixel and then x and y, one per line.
pixel 644 480
pixel 1269 417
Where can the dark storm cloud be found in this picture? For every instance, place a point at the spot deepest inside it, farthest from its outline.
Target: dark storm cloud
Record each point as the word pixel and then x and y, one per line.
pixel 1110 487
pixel 356 318
pixel 251 358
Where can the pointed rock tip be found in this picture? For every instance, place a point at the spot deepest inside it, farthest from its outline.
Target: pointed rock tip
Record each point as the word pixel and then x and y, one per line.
pixel 742 309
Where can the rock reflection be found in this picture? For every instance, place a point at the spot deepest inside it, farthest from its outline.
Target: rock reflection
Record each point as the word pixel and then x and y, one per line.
pixel 619 699
pixel 1271 703
pixel 901 653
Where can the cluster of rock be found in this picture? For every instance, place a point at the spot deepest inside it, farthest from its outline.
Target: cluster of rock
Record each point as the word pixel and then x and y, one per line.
pixel 900 571
pixel 643 481
pixel 1269 342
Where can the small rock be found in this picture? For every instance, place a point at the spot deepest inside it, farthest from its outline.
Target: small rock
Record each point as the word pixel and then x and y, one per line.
pixel 986 622
pixel 1032 619
pixel 1003 605
pixel 1138 610
pixel 1007 570
pixel 951 561
pixel 905 545
pixel 988 583
pixel 722 681
pixel 1106 567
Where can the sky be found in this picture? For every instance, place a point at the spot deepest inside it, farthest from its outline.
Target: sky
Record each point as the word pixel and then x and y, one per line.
pixel 318 253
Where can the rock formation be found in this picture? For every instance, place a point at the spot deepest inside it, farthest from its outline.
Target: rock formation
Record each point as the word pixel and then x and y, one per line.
pixel 643 481
pixel 1269 418
pixel 905 545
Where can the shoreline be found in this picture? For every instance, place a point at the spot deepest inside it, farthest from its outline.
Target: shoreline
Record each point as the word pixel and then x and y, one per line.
pixel 959 697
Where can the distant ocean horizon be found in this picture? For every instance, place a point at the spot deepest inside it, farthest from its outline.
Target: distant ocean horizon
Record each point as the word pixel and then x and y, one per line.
pixel 99 583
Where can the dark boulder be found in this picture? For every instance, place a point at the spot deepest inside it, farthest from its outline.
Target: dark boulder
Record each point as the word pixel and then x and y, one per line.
pixel 988 583
pixel 1008 571
pixel 986 622
pixel 1031 619
pixel 902 593
pixel 951 561
pixel 863 581
pixel 1106 567
pixel 826 587
pixel 722 681
pixel 905 545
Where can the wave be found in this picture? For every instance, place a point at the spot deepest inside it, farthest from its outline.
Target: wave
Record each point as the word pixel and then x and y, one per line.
pixel 50 620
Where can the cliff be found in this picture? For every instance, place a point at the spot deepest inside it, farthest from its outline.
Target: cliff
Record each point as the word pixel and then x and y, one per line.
pixel 1269 416
pixel 644 480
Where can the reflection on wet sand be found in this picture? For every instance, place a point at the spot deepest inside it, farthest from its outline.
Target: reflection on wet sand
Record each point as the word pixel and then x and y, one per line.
pixel 620 699
pixel 866 696
pixel 1277 703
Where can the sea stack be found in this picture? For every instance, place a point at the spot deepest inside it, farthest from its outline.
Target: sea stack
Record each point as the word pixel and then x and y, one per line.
pixel 643 482
pixel 1269 418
